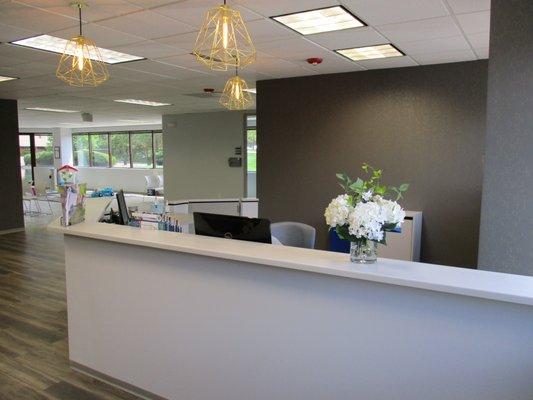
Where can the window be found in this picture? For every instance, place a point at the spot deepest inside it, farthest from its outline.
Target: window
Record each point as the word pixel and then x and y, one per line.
pixel 44 151
pixel 251 155
pixel 120 149
pixel 158 149
pixel 142 149
pixel 80 150
pixel 99 149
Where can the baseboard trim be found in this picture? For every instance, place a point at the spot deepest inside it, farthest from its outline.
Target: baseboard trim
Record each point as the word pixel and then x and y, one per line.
pixel 14 230
pixel 132 389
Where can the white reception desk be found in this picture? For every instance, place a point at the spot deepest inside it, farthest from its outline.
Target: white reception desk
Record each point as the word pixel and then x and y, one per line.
pixel 179 316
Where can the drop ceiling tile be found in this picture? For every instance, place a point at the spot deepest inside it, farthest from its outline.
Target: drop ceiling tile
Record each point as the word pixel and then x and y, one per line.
pixel 267 30
pixel 439 45
pixel 30 18
pixel 148 4
pixel 101 35
pixel 25 54
pixel 29 69
pixel 394 62
pixel 192 12
pixel 482 52
pixel 187 61
pixel 479 40
pixel 475 22
pixel 269 8
pixel 418 30
pixel 26 93
pixel 296 49
pixel 147 24
pixel 446 57
pixel 347 38
pixel 381 12
pixel 10 33
pixel 278 68
pixel 149 49
pixel 184 41
pixel 97 9
pixel 467 6
pixel 164 69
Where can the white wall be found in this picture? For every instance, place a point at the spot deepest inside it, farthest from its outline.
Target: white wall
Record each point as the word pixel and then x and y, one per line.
pixel 128 179
pixel 197 148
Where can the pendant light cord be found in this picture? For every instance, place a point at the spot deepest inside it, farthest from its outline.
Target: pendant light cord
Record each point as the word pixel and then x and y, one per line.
pixel 79 13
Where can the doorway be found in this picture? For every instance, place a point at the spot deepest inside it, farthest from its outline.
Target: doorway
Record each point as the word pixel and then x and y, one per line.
pixel 36 150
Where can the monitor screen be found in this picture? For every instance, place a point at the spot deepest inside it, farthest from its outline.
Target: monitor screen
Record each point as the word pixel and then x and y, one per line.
pixel 232 227
pixel 123 214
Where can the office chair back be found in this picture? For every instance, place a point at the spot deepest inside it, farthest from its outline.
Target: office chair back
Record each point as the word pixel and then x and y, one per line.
pixel 294 234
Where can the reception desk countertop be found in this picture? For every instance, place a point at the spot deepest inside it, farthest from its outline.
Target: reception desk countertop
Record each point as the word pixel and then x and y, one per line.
pixel 468 282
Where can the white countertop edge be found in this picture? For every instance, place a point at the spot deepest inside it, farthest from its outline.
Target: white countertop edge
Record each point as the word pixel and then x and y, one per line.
pixel 475 283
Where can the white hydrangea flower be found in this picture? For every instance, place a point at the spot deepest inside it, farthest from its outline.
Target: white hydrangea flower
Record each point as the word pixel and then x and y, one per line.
pixel 366 221
pixel 338 211
pixel 392 212
pixel 367 195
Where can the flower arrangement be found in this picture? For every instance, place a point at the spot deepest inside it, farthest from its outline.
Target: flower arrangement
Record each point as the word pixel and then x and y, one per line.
pixel 364 214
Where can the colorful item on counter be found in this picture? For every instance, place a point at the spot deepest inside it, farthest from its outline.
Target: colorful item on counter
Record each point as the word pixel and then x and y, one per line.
pixel 72 203
pixel 68 175
pixel 105 192
pixel 156 221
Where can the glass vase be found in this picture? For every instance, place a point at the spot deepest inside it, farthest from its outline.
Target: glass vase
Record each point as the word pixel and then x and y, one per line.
pixel 363 252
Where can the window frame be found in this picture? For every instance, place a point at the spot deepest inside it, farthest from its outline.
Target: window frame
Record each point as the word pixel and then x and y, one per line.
pixel 109 150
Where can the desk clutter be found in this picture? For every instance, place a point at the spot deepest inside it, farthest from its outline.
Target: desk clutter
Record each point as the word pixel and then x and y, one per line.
pixel 155 221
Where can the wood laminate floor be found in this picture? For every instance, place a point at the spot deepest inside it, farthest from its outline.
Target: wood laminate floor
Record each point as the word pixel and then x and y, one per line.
pixel 33 324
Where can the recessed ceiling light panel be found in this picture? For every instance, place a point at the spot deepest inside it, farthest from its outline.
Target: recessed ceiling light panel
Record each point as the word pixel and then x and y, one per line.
pixel 371 52
pixel 318 21
pixel 57 110
pixel 251 90
pixel 6 78
pixel 58 45
pixel 143 102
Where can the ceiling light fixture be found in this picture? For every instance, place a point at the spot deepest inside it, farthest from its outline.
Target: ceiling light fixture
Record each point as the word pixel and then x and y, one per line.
pixel 58 45
pixel 223 40
pixel 142 102
pixel 81 63
pixel 57 110
pixel 371 52
pixel 320 20
pixel 236 95
pixel 6 78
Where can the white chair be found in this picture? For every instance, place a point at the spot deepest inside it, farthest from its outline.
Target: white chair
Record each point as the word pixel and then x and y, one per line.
pixel 294 234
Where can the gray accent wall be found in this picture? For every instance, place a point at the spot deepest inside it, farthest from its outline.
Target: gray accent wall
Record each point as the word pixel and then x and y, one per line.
pixel 197 148
pixel 422 125
pixel 506 237
pixel 11 216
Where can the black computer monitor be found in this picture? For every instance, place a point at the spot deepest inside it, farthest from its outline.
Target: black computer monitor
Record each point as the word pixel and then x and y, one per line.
pixel 232 227
pixel 123 214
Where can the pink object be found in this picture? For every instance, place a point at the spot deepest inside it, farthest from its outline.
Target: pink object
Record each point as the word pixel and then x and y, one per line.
pixel 67 167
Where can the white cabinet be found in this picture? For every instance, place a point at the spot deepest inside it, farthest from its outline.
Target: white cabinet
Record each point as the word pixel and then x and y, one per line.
pixel 404 245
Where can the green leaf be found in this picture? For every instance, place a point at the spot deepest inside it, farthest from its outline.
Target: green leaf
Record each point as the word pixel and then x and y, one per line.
pixel 381 190
pixel 403 187
pixel 358 185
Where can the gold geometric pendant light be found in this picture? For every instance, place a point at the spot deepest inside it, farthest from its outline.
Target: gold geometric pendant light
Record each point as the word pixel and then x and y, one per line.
pixel 81 63
pixel 223 40
pixel 235 95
